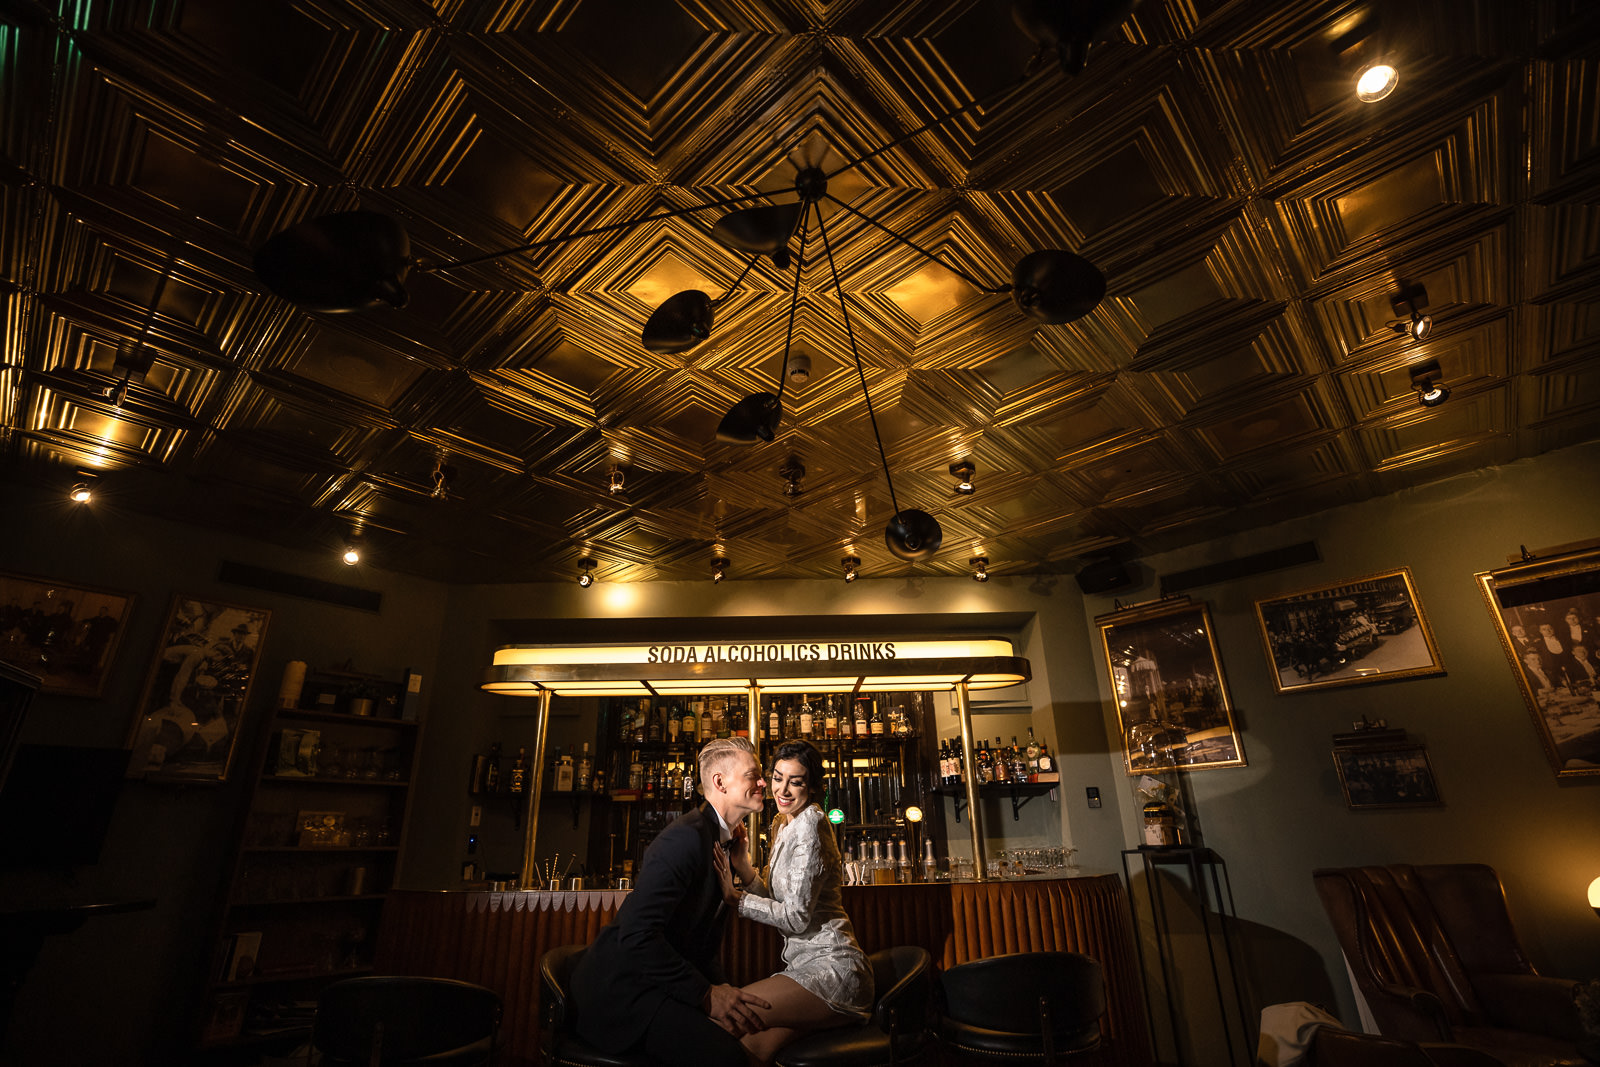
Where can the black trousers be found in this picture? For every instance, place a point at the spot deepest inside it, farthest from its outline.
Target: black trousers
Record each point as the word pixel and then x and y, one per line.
pixel 684 1036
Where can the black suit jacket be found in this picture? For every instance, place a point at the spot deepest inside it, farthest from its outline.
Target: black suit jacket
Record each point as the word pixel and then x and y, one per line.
pixel 666 940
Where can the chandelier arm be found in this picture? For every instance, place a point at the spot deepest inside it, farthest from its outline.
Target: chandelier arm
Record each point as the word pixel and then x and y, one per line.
pixel 939 120
pixel 750 265
pixel 855 353
pixel 794 300
pixel 957 271
pixel 613 227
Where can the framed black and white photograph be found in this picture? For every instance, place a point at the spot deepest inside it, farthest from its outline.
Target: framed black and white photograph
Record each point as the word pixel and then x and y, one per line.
pixel 1171 695
pixel 1361 630
pixel 188 720
pixel 1547 612
pixel 64 633
pixel 1386 776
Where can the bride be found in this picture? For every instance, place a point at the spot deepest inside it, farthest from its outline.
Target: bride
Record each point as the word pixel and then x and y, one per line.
pixel 826 980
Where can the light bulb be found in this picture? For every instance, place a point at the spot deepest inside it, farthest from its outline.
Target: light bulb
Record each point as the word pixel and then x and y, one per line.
pixel 352 556
pixel 1376 82
pixel 81 493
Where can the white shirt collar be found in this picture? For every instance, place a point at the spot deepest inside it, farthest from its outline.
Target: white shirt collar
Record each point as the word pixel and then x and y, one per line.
pixel 723 833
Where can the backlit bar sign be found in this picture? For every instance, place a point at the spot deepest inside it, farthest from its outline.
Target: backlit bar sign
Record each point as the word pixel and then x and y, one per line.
pixel 752 652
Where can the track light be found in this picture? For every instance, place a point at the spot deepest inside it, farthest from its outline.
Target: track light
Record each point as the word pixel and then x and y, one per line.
pixel 980 568
pixel 1425 381
pixel 963 472
pixel 1408 303
pixel 586 579
pixel 442 473
pixel 616 481
pixel 1376 81
pixel 852 566
pixel 352 551
pixel 719 568
pixel 82 490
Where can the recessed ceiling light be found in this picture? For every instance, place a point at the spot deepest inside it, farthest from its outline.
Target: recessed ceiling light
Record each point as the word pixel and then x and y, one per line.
pixel 1376 81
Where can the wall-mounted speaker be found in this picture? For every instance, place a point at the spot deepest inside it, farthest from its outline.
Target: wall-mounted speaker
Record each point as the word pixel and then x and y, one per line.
pixel 1104 575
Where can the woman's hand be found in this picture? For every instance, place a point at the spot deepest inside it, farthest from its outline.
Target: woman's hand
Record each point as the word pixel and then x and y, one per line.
pixel 719 861
pixel 739 854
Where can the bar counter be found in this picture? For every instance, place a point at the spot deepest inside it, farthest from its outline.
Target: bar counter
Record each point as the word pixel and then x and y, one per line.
pixel 496 940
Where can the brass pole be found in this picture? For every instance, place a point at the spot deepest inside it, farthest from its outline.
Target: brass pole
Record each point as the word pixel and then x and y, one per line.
pixel 752 822
pixel 530 841
pixel 980 867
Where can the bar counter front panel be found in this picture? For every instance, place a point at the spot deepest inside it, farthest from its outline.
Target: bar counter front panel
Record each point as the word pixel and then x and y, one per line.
pixel 496 940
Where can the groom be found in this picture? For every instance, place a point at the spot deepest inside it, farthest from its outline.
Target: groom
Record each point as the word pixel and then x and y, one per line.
pixel 651 982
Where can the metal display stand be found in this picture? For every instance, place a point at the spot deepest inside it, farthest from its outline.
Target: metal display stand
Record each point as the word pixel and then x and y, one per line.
pixel 1208 881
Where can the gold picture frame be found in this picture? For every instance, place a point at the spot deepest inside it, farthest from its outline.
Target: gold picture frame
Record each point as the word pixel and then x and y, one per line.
pixel 1395 775
pixel 187 724
pixel 64 633
pixel 1545 610
pixel 1351 632
pixel 1168 684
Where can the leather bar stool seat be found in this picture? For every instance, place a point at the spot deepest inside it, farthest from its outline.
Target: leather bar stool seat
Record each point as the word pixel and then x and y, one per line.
pixel 897 1032
pixel 396 1021
pixel 560 1044
pixel 1022 1008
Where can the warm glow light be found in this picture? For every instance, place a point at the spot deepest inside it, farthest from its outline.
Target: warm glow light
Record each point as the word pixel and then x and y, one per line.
pixel 351 556
pixel 1594 894
pixel 81 493
pixel 527 655
pixel 1420 326
pixel 1376 82
pixel 913 813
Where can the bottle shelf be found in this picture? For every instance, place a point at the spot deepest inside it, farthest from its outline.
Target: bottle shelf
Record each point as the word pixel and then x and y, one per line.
pixel 1019 792
pixel 311 715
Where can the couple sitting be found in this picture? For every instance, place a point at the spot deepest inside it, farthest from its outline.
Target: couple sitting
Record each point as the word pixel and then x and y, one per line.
pixel 652 983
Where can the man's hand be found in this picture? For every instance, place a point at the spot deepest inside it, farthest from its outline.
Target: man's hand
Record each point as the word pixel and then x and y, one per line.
pixel 734 1010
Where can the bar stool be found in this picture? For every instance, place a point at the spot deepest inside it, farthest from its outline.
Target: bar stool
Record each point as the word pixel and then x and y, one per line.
pixel 1025 1007
pixel 559 1045
pixel 896 1034
pixel 384 1021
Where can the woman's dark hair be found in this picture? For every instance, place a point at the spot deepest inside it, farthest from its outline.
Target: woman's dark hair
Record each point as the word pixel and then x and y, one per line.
pixel 806 754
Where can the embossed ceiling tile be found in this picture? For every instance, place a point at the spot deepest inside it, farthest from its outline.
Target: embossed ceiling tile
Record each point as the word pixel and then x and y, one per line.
pixel 1229 364
pixel 1556 333
pixel 1474 270
pixel 1565 257
pixel 1102 341
pixel 216 459
pixel 349 365
pixel 1084 426
pixel 1565 152
pixel 1475 354
pixel 408 467
pixel 558 512
pixel 1422 437
pixel 1280 422
pixel 1560 394
pixel 1468 456
pixel 1561 434
pixel 1139 468
pixel 175 387
pixel 1170 509
pixel 296 432
pixel 115 437
pixel 1291 472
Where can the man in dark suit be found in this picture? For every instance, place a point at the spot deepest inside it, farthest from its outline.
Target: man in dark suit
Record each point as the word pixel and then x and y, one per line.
pixel 651 982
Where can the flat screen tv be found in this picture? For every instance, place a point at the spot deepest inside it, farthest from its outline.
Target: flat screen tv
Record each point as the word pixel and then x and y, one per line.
pixel 56 805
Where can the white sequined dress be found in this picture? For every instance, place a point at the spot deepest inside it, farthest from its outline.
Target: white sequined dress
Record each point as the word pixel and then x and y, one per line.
pixel 802 900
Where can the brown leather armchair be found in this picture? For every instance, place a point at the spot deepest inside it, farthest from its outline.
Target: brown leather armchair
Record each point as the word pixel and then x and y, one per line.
pixel 1435 954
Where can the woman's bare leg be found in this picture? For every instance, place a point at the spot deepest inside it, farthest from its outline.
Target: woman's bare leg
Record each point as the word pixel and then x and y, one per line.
pixel 794 1011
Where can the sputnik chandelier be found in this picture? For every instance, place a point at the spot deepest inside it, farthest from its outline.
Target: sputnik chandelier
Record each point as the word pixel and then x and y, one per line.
pixel 359 260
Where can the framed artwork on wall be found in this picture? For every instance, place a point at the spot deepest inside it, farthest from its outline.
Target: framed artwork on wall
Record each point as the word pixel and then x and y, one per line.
pixel 1547 612
pixel 64 633
pixel 1370 629
pixel 187 723
pixel 1386 776
pixel 1167 681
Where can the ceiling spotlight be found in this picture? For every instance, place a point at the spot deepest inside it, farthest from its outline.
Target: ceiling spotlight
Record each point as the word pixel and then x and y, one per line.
pixel 719 568
pixel 616 481
pixel 1376 81
pixel 352 551
pixel 586 579
pixel 852 566
pixel 980 568
pixel 83 489
pixel 1425 381
pixel 792 471
pixel 442 473
pixel 963 472
pixel 1408 303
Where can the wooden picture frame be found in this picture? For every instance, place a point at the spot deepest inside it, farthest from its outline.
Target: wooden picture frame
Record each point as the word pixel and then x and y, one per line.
pixel 1396 775
pixel 1352 632
pixel 64 633
pixel 1168 684
pixel 187 724
pixel 1545 611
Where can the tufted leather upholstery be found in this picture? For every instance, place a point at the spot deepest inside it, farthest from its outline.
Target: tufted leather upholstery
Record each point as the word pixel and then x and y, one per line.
pixel 1339 1048
pixel 1024 1007
pixel 1436 956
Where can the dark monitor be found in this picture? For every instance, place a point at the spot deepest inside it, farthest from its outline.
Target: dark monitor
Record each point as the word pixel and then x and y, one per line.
pixel 56 804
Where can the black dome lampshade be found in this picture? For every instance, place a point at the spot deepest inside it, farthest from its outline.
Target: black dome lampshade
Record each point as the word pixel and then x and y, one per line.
pixel 352 261
pixel 679 324
pixel 762 230
pixel 913 535
pixel 755 418
pixel 1055 286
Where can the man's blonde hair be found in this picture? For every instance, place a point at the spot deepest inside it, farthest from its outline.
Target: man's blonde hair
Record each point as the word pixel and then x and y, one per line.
pixel 713 754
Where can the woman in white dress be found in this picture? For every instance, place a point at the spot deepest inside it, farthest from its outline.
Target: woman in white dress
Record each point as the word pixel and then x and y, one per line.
pixel 826 980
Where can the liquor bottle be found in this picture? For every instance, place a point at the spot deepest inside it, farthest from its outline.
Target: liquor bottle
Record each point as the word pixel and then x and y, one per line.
pixel 585 776
pixel 1046 762
pixel 808 719
pixel 651 775
pixel 652 726
pixel 719 717
pixel 951 763
pixel 982 767
pixel 674 723
pixel 688 781
pixel 905 874
pixel 564 775
pixel 1033 752
pixel 624 722
pixel 862 710
pixel 640 714
pixel 830 717
pixel 1019 761
pixel 635 773
pixel 875 722
pixel 774 720
pixel 690 729
pixel 519 771
pixel 491 773
pixel 1002 766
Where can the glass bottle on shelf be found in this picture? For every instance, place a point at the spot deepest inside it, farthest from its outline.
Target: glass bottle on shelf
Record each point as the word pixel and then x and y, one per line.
pixel 1019 761
pixel 859 715
pixel 1033 752
pixel 584 779
pixel 875 723
pixel 674 723
pixel 640 713
pixel 689 780
pixel 1001 771
pixel 774 720
pixel 830 717
pixel 719 717
pixel 688 729
pixel 564 774
pixel 808 719
pixel 635 772
pixel 929 864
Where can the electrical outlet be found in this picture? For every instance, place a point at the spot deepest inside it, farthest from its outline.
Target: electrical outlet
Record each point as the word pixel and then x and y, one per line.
pixel 477 815
pixel 1094 795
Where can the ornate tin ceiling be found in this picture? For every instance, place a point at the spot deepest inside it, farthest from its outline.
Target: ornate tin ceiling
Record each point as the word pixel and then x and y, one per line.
pixel 1251 216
